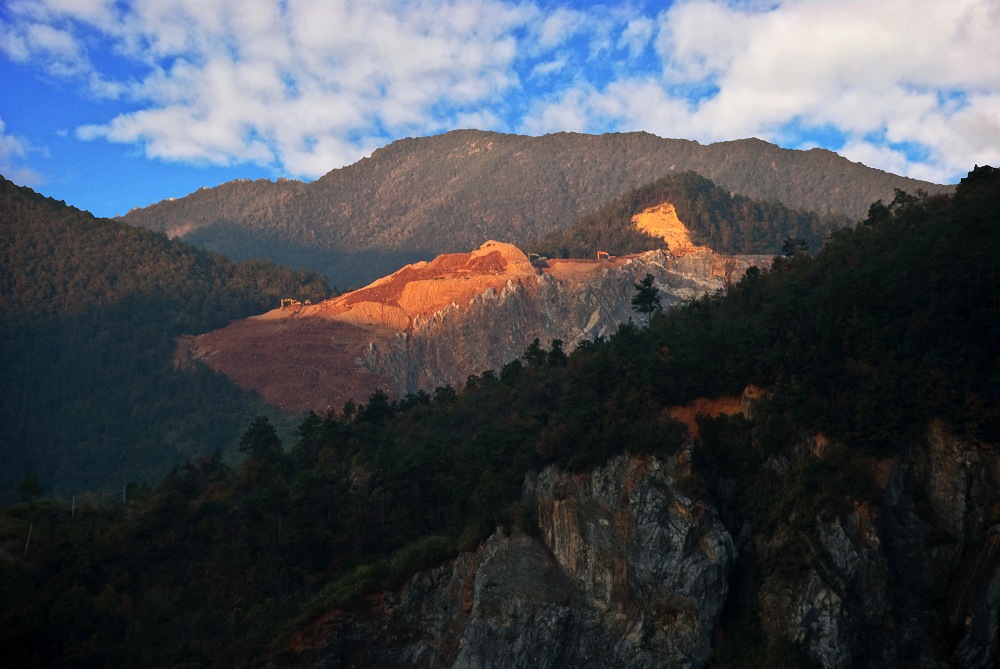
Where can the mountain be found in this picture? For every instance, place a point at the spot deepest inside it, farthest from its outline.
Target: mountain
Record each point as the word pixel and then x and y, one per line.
pixel 434 324
pixel 89 311
pixel 713 217
pixel 417 198
pixel 801 471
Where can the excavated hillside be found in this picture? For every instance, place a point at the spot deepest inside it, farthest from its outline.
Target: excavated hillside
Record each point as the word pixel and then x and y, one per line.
pixel 435 323
pixel 662 221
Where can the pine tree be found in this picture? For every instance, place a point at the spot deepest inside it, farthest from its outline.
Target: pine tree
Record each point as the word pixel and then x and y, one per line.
pixel 647 297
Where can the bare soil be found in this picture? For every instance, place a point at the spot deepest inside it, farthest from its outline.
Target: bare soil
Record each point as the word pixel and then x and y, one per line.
pixel 306 356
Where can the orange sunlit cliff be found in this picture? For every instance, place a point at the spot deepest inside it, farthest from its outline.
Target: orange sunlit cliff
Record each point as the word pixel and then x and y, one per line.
pixel 432 323
pixel 305 355
pixel 662 221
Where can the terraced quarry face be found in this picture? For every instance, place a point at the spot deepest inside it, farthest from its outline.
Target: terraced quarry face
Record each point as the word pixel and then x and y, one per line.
pixel 303 356
pixel 318 356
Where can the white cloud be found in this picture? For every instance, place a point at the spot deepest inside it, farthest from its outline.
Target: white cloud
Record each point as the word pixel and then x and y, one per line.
pixel 559 26
pixel 13 152
pixel 288 84
pixel 636 36
pixel 549 67
pixel 625 105
pixel 304 86
pixel 910 84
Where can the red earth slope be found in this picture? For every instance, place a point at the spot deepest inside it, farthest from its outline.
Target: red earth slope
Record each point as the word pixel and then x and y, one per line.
pixel 304 355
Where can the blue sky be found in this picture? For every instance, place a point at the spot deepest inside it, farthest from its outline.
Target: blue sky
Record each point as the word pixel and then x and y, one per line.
pixel 110 105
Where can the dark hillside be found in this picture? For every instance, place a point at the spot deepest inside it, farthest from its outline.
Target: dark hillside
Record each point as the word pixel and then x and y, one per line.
pixel 896 320
pixel 90 310
pixel 892 329
pixel 417 198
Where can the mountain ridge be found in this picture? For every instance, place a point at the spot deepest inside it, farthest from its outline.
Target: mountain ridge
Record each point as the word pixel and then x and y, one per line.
pixel 418 197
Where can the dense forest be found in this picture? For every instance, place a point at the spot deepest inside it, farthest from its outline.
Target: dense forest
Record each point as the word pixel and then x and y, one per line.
pixel 90 312
pixel 896 322
pixel 420 197
pixel 723 221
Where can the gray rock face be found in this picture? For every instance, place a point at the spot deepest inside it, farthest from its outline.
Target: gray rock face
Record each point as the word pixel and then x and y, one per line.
pixel 838 606
pixel 626 572
pixel 495 328
pixel 897 582
pixel 653 560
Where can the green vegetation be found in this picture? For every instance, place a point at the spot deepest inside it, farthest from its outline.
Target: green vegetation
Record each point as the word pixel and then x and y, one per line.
pixel 89 313
pixel 894 323
pixel 716 218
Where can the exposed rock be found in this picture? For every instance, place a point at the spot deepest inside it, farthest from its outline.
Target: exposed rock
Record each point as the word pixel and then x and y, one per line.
pixel 626 572
pixel 568 300
pixel 432 324
pixel 898 582
pixel 646 555
pixel 662 221
pixel 837 608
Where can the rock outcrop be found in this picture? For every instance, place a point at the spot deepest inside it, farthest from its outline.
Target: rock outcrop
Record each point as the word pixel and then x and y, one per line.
pixel 898 581
pixel 435 323
pixel 625 572
pixel 568 300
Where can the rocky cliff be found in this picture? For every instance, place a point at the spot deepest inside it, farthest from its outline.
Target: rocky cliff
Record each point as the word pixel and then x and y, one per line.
pixel 909 580
pixel 631 568
pixel 625 571
pixel 435 323
pixel 569 300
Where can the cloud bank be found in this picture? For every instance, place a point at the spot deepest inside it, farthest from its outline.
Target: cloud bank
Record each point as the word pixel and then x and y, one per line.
pixel 304 86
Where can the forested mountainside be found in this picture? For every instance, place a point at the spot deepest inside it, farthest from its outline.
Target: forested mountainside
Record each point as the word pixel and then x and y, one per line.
pixel 723 221
pixel 430 324
pixel 89 311
pixel 832 503
pixel 417 198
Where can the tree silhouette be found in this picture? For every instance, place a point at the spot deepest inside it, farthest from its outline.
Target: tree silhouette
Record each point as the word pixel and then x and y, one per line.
pixel 647 297
pixel 260 441
pixel 793 247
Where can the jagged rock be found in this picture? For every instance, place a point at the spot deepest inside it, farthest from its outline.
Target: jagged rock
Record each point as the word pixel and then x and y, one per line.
pixel 896 582
pixel 653 559
pixel 626 572
pixel 837 607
